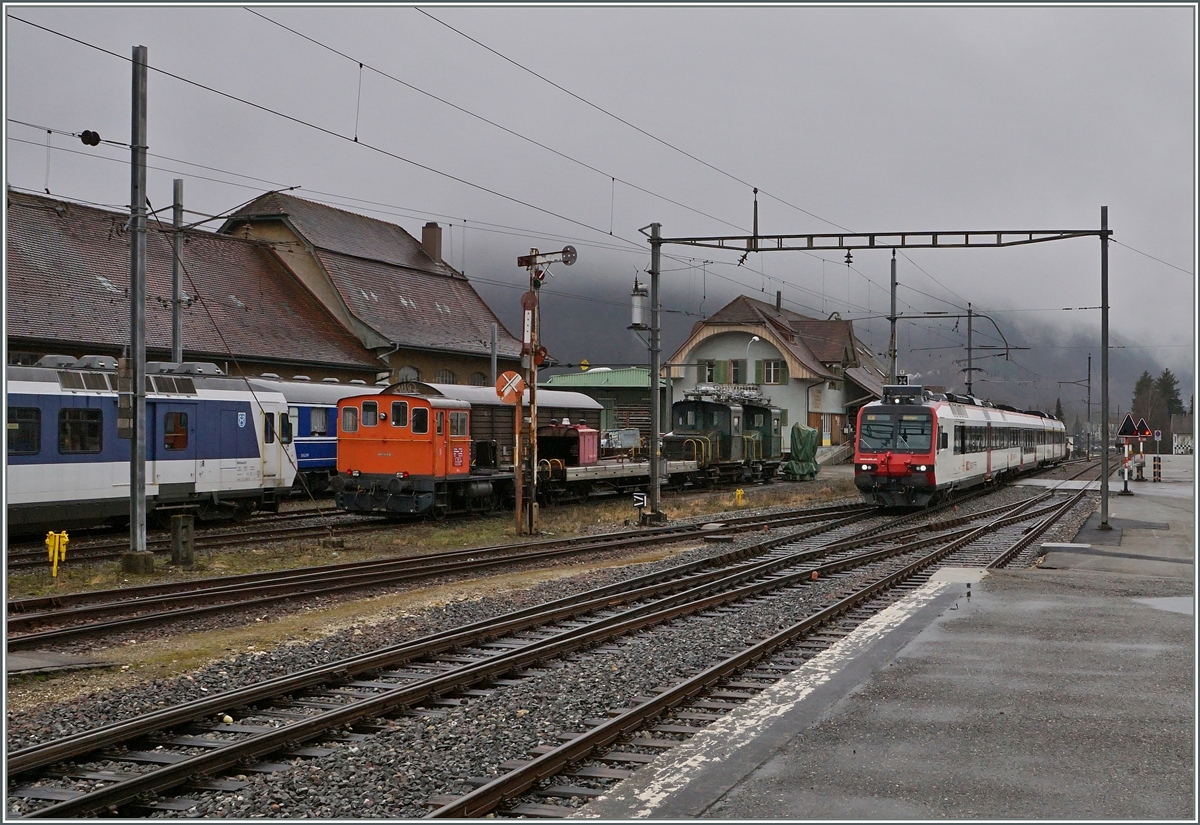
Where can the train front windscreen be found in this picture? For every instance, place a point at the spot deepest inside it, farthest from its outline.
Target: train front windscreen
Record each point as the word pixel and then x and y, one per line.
pixel 895 431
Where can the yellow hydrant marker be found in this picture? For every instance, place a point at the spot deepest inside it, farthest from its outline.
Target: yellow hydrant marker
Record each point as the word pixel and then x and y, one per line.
pixel 56 546
pixel 739 497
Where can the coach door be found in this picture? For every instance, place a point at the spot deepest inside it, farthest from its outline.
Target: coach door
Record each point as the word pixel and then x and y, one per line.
pixel 439 443
pixel 173 436
pixel 989 443
pixel 270 444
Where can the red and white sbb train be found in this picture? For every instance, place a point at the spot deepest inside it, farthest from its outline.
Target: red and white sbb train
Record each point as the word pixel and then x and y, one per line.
pixel 915 447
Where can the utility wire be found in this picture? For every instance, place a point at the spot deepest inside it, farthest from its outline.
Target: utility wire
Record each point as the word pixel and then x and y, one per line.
pixel 1148 255
pixel 626 122
pixel 329 132
pixel 493 123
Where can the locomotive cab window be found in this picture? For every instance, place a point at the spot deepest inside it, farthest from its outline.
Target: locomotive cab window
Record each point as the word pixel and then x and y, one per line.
pixel 399 413
pixel 458 423
pixel 79 430
pixel 175 431
pixel 875 434
pixel 441 422
pixel 370 413
pixel 420 420
pixel 349 419
pixel 24 431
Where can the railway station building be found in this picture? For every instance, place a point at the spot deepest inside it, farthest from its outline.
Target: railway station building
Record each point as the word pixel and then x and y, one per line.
pixel 816 371
pixel 67 279
pixel 396 295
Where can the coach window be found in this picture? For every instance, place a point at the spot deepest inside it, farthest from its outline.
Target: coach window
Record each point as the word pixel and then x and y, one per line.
pixel 269 428
pixel 79 430
pixel 24 430
pixel 420 420
pixel 318 421
pixel 349 419
pixel 399 413
pixel 458 423
pixel 175 431
pixel 441 422
pixel 370 415
pixel 285 428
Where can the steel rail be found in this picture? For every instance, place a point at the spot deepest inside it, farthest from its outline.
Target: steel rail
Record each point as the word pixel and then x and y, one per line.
pixel 486 798
pixel 509 661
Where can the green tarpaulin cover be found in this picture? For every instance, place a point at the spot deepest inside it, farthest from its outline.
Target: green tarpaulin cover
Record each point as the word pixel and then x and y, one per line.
pixel 803 466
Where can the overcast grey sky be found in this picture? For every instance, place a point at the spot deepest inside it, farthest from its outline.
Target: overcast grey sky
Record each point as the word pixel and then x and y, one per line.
pixel 865 119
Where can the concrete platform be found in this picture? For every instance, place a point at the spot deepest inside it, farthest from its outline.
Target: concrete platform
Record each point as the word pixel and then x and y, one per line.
pixel 1063 692
pixel 44 662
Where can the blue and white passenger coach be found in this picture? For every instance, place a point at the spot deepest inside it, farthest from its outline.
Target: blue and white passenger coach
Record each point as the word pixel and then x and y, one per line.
pixel 214 446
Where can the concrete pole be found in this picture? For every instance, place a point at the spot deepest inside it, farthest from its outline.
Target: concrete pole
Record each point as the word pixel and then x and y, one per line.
pixel 177 276
pixel 137 304
pixel 892 319
pixel 1104 525
pixel 1089 405
pixel 655 401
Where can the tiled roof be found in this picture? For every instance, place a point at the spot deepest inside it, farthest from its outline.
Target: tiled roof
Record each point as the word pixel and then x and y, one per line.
pixel 336 230
pixel 68 278
pixel 416 309
pixel 385 278
pixel 828 340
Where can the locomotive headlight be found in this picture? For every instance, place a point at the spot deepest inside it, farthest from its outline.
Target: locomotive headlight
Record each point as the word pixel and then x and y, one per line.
pixel 354 473
pixel 866 466
pixel 922 468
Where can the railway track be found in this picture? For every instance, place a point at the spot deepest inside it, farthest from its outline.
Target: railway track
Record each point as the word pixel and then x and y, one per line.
pixel 126 767
pixel 53 620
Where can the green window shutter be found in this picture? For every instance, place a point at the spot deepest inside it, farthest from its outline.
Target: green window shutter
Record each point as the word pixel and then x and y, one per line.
pixel 783 418
pixel 783 375
pixel 721 372
pixel 758 372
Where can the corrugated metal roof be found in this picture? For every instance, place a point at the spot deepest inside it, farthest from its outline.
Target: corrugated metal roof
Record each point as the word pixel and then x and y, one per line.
pixel 627 377
pixel 68 279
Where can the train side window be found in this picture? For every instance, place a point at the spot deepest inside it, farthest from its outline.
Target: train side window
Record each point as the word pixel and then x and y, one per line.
pixel 175 431
pixel 691 418
pixel 285 428
pixel 318 420
pixel 24 431
pixel 441 422
pixel 943 438
pixel 458 423
pixel 420 420
pixel 775 426
pixel 370 413
pixel 399 413
pixel 80 430
pixel 349 419
pixel 269 428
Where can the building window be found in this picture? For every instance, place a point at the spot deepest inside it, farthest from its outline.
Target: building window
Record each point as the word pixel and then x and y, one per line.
pixel 399 413
pixel 24 430
pixel 370 414
pixel 446 377
pixel 478 379
pixel 710 372
pixel 349 419
pixel 175 431
pixel 318 421
pixel 772 372
pixel 737 370
pixel 458 423
pixel 79 430
pixel 409 373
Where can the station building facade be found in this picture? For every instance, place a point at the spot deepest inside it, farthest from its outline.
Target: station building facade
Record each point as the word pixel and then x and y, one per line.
pixel 816 371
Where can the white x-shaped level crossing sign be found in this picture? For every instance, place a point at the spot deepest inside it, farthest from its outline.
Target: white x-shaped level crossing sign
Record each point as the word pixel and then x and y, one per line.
pixel 510 386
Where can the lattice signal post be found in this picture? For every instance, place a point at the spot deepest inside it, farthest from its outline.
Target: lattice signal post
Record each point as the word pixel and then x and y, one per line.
pixel 532 356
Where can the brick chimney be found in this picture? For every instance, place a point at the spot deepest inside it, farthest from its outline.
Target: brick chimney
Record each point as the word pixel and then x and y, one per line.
pixel 778 300
pixel 431 240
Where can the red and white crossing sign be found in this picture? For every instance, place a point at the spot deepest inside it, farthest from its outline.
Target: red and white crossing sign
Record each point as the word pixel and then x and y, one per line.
pixel 510 387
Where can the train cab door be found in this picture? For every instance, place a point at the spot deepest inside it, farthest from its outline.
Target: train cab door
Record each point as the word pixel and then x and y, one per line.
pixel 987 444
pixel 172 433
pixel 440 453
